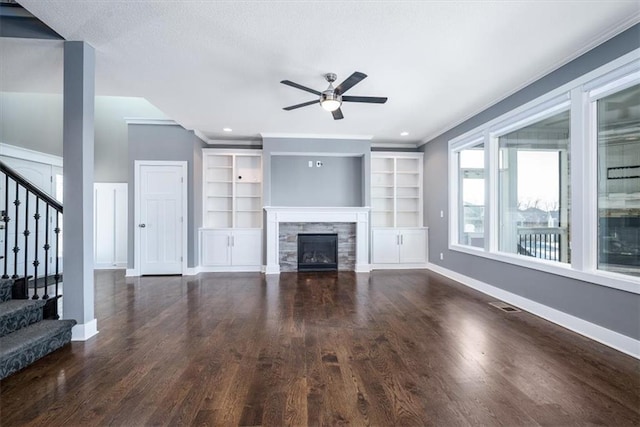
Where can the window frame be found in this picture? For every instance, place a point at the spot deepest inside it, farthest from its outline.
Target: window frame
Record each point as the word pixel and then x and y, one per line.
pixel 579 97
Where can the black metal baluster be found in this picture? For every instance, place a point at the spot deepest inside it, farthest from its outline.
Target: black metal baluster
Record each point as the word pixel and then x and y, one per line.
pixel 16 248
pixel 46 251
pixel 5 220
pixel 57 274
pixel 26 239
pixel 36 262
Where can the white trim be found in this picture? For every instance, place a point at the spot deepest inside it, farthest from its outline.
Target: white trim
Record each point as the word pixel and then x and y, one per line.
pixel 136 212
pixel 255 152
pixel 315 136
pixel 598 277
pixel 230 268
pixel 145 121
pixel 131 272
pixel 598 40
pixel 399 266
pixel 315 154
pixel 590 330
pixel 215 141
pixel 82 332
pixel 394 145
pixel 31 155
pixel 193 271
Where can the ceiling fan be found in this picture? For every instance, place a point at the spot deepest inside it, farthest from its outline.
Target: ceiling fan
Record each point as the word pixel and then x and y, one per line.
pixel 332 98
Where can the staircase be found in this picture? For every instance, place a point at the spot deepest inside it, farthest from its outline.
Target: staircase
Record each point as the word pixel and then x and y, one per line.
pixel 24 336
pixel 31 283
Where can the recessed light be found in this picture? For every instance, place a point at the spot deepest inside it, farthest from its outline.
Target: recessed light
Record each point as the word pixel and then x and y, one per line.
pixel 227 129
pixel 404 133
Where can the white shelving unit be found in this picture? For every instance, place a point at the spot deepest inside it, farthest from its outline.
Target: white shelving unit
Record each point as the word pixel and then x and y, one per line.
pixel 396 189
pixel 231 237
pixel 398 239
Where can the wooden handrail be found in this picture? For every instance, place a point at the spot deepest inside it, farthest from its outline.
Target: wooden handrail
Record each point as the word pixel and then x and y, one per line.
pixel 29 186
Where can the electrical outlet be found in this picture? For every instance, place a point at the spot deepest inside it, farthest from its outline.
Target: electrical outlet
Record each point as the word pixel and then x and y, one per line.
pixel 319 164
pixel 441 256
pixel 310 163
pixel 441 214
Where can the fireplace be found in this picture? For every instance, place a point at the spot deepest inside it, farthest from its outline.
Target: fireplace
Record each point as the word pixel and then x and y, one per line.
pixel 317 252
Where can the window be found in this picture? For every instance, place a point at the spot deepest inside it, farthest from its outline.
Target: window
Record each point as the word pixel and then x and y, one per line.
pixel 554 185
pixel 533 190
pixel 471 190
pixel 618 135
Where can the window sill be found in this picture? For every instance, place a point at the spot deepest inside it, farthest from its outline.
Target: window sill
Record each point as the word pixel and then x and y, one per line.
pixel 598 277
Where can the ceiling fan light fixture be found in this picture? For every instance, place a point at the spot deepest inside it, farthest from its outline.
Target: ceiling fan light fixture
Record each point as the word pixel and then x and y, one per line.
pixel 330 101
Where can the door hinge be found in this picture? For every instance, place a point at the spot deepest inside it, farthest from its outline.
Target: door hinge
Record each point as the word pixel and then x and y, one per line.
pixel 181 259
pixel 181 179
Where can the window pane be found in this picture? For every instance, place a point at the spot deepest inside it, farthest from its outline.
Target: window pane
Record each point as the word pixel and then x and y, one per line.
pixel 533 196
pixel 619 182
pixel 471 206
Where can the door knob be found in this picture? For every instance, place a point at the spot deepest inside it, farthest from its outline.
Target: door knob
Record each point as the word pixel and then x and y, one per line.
pixel 142 225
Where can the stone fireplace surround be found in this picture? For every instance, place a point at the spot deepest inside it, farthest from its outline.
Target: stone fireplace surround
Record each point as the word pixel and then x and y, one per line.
pixel 275 216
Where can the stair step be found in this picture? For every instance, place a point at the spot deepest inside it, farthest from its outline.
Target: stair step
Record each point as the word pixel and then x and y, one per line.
pixel 5 289
pixel 23 347
pixel 17 314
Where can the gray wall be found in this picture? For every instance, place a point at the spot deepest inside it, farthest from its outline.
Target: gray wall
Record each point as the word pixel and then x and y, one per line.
pixel 337 183
pixel 311 148
pixel 613 309
pixel 162 142
pixel 34 121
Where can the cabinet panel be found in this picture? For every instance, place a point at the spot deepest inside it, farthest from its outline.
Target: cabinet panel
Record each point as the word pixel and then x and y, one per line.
pixel 246 247
pixel 385 246
pixel 216 250
pixel 413 246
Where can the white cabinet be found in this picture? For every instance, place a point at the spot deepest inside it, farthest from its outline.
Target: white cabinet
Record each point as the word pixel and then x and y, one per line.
pixel 236 248
pixel 396 189
pixel 401 246
pixel 231 239
pixel 232 188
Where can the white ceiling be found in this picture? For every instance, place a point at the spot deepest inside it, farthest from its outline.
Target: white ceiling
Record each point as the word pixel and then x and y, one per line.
pixel 215 64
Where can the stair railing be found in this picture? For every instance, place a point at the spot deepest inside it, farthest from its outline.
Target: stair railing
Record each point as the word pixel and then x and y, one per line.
pixel 32 210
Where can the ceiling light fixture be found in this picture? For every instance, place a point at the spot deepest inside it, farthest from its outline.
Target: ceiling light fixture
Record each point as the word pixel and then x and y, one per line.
pixel 329 99
pixel 227 129
pixel 404 133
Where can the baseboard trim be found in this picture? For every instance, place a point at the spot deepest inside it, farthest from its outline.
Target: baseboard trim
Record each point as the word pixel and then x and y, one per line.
pixel 590 330
pixel 83 332
pixel 131 272
pixel 398 266
pixel 231 269
pixel 107 266
pixel 362 268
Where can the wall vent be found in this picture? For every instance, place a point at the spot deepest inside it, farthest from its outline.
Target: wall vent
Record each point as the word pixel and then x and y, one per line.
pixel 505 307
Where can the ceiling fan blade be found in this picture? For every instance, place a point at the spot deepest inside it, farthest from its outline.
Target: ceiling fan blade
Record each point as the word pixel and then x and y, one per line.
pixel 369 99
pixel 350 82
pixel 337 114
pixel 297 86
pixel 304 104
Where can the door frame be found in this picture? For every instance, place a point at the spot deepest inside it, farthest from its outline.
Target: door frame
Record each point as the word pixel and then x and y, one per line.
pixel 136 209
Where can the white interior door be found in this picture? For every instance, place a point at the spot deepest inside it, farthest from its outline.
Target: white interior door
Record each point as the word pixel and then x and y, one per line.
pixel 161 203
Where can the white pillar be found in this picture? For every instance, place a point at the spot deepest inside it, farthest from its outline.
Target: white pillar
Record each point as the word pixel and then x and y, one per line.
pixel 78 140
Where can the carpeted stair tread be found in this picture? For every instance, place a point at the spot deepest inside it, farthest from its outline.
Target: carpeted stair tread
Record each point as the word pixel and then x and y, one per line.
pixel 5 289
pixel 17 314
pixel 23 347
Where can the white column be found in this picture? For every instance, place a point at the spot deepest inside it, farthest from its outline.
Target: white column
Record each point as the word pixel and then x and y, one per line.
pixel 78 137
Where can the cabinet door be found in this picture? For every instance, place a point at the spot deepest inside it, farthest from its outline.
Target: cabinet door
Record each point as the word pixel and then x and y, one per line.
pixel 413 246
pixel 385 246
pixel 216 249
pixel 246 247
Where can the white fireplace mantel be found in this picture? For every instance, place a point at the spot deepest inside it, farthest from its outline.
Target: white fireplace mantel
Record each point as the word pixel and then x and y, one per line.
pixel 277 215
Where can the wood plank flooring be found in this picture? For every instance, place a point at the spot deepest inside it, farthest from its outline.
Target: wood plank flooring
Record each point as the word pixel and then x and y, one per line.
pixel 390 348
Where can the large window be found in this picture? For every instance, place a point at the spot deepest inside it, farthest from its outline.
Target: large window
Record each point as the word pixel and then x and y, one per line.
pixel 471 203
pixel 534 188
pixel 619 181
pixel 555 184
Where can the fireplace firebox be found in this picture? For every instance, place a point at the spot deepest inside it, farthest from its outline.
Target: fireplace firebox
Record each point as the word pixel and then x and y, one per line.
pixel 317 252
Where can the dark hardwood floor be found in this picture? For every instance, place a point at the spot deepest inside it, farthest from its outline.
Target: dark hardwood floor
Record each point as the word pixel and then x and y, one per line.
pixel 390 348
